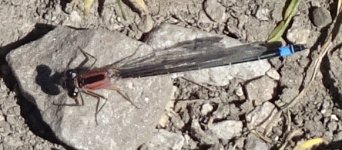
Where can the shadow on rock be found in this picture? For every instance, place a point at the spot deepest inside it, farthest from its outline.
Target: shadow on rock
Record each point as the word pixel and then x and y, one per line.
pixel 29 110
pixel 35 121
pixel 39 31
pixel 48 83
pixel 329 80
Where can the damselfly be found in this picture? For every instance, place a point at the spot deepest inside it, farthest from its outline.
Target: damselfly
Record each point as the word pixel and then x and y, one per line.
pixel 185 56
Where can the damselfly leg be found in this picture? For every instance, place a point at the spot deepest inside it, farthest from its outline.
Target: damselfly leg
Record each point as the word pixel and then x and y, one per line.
pixel 123 95
pixel 85 61
pixel 88 79
pixel 98 97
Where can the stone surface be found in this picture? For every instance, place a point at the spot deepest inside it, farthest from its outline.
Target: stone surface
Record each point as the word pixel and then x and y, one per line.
pixel 263 14
pixel 215 10
pixel 320 17
pixel 168 35
pixel 239 91
pixel 222 111
pixel 38 66
pixel 13 127
pixel 338 136
pixel 205 137
pixel 73 19
pixel 298 35
pixel 261 116
pixel 260 90
pixel 254 143
pixel 272 73
pixel 226 129
pixel 228 3
pixel 334 117
pixel 206 108
pixel 13 25
pixel 165 140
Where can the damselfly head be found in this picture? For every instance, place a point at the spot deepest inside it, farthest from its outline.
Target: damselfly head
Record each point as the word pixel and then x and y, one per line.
pixel 71 74
pixel 73 92
pixel 70 84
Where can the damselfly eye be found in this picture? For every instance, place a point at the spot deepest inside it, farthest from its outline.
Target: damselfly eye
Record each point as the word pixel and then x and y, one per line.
pixel 73 92
pixel 71 74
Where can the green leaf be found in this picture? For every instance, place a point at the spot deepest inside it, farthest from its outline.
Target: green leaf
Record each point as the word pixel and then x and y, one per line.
pixel 279 30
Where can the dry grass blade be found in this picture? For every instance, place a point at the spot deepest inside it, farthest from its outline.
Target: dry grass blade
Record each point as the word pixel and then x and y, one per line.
pixel 121 9
pixel 309 144
pixel 140 4
pixel 278 31
pixel 291 9
pixel 87 5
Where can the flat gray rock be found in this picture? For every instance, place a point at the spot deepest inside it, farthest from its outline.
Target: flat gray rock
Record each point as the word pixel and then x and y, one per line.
pixel 167 35
pixel 260 90
pixel 215 10
pixel 165 140
pixel 39 65
pixel 227 129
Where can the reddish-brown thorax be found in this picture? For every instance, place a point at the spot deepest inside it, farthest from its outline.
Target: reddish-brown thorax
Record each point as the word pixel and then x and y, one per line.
pixel 95 79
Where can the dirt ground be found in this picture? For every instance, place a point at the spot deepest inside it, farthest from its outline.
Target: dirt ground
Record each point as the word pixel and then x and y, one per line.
pixel 198 109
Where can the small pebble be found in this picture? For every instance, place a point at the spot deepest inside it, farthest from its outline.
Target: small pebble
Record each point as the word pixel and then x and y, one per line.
pixel 272 73
pixel 239 91
pixel 177 121
pixel 198 133
pixel 11 119
pixel 5 127
pixel 240 142
pixel 261 116
pixel 164 139
pixel 321 17
pixel 254 143
pixel 16 110
pixel 228 3
pixel 75 17
pixel 260 90
pixel 222 111
pixel 227 129
pixel 164 120
pixel 325 107
pixel 206 108
pixel 2 118
pixel 263 14
pixel 13 141
pixel 215 10
pixel 338 136
pixel 190 142
pixel 334 117
pixel 332 126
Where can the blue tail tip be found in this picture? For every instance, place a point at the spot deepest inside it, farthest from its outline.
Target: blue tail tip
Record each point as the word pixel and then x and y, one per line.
pixel 291 49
